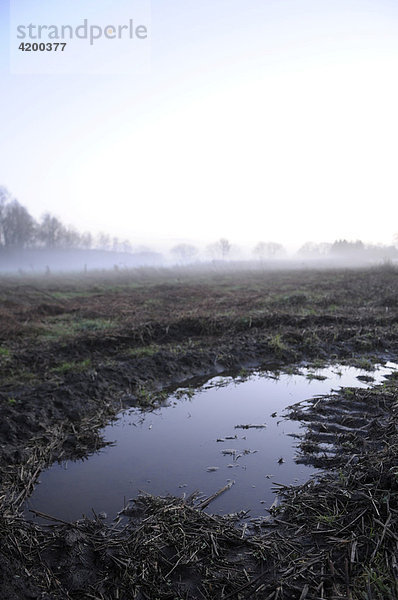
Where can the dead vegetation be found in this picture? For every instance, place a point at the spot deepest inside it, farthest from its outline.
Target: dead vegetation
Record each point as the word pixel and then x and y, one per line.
pixel 167 548
pixel 344 528
pixel 332 538
pixel 69 349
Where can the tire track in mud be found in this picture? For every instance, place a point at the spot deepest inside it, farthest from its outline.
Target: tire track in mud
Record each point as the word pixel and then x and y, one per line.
pixel 340 426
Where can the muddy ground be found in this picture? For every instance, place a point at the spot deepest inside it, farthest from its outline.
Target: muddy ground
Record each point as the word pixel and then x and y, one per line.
pixel 75 350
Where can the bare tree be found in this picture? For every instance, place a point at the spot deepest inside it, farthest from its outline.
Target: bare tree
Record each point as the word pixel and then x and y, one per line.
pixel 86 240
pixel 104 241
pixel 51 231
pixel 17 225
pixel 343 247
pixel 225 247
pixel 4 198
pixel 220 249
pixel 184 252
pixel 314 250
pixel 125 246
pixel 265 250
pixel 69 238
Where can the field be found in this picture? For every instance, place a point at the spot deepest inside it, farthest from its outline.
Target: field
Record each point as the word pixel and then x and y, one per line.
pixel 74 350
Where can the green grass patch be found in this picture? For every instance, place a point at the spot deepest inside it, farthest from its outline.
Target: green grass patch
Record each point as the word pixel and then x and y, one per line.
pixel 276 343
pixel 70 294
pixel 94 324
pixel 66 326
pixel 67 367
pixel 366 364
pixel 148 397
pixel 312 376
pixel 144 351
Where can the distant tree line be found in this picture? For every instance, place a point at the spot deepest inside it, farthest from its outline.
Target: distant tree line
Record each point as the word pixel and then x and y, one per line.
pixel 265 251
pixel 19 230
pixel 351 250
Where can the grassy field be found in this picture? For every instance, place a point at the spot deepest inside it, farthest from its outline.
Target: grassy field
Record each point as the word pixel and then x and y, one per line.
pixel 163 307
pixel 73 350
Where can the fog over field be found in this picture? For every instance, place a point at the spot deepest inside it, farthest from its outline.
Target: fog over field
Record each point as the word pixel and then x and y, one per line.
pixel 32 246
pixel 260 122
pixel 198 299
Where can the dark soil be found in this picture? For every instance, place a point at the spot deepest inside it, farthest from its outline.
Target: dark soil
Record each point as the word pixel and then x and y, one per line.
pixel 73 352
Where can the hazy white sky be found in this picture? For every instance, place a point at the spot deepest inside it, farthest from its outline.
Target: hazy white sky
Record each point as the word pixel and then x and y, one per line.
pixel 258 120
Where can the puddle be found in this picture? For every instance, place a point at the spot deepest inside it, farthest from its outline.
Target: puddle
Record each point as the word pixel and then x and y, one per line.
pixel 174 450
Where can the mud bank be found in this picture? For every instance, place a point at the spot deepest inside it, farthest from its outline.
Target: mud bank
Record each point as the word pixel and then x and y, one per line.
pixel 77 350
pixel 94 393
pixel 68 365
pixel 335 537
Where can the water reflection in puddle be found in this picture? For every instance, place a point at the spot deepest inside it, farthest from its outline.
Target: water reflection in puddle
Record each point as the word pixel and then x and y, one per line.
pixel 194 444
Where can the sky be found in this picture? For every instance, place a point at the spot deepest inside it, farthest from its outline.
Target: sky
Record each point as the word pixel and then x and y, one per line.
pixel 271 120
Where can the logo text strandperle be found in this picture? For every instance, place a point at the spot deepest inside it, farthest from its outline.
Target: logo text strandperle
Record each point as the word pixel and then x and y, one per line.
pixel 82 32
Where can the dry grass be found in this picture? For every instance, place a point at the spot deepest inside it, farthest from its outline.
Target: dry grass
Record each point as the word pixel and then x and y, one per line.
pixel 336 538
